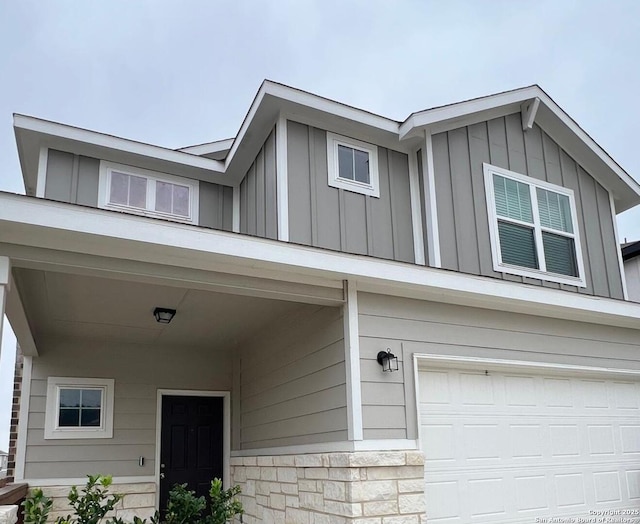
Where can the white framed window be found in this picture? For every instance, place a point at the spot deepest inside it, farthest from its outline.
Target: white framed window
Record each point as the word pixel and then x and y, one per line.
pixel 79 408
pixel 533 227
pixel 148 193
pixel 352 165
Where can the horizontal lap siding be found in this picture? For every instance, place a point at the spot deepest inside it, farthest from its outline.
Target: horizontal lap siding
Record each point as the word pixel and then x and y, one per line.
pixel 138 372
pixel 410 326
pixel 332 218
pixel 292 381
pixel 258 193
pixel 462 210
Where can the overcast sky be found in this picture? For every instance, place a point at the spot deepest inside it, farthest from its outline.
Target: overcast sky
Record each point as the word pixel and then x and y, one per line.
pixel 185 72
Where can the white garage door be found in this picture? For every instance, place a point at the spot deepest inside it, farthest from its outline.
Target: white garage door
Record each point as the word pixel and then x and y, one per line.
pixel 511 446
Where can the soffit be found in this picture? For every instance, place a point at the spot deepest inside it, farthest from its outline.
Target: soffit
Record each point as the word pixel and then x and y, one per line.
pixel 65 306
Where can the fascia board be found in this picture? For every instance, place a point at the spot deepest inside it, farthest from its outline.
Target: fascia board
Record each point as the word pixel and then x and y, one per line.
pixel 210 147
pixel 551 118
pixel 37 222
pixel 464 110
pixel 53 132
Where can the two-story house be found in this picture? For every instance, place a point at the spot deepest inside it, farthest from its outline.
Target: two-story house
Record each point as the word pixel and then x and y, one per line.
pixel 353 318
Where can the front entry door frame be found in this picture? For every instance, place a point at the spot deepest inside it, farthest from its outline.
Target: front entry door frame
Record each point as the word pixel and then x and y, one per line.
pixel 226 430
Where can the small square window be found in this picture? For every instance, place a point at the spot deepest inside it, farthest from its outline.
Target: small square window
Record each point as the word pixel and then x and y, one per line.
pixel 79 408
pixel 532 226
pixel 352 165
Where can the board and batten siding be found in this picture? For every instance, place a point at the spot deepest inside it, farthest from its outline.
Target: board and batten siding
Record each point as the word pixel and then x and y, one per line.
pixel 138 372
pixel 74 179
pixel 409 326
pixel 291 378
pixel 465 246
pixel 258 215
pixel 332 218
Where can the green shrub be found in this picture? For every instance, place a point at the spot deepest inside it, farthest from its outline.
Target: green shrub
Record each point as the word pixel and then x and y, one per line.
pixel 36 507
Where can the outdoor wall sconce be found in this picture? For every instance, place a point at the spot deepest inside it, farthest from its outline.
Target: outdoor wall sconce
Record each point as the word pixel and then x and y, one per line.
pixel 388 360
pixel 164 315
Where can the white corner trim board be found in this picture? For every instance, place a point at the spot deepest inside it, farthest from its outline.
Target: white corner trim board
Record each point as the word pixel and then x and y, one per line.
pixel 352 361
pixel 282 183
pixel 416 210
pixel 41 182
pixel 433 234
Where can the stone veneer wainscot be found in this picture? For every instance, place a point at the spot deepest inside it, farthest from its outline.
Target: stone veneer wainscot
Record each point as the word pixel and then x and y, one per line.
pixel 332 488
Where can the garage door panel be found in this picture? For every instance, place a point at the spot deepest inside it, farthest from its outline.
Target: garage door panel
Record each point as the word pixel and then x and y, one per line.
pixel 511 447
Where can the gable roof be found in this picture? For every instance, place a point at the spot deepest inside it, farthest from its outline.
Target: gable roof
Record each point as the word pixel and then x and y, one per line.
pixel 227 161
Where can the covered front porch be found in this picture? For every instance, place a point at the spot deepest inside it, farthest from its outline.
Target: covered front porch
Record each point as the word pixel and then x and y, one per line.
pixel 274 341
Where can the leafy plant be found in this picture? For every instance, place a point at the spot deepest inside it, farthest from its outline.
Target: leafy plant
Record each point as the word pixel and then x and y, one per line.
pixel 183 507
pixel 224 504
pixel 36 507
pixel 92 503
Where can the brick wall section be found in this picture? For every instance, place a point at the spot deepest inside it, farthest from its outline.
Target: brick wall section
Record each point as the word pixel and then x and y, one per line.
pixel 332 488
pixel 139 500
pixel 15 413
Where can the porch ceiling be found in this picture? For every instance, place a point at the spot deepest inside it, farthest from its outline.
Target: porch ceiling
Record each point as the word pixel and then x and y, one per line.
pixel 63 306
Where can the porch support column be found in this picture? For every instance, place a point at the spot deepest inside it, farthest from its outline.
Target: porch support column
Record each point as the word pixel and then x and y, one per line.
pixel 352 361
pixel 5 284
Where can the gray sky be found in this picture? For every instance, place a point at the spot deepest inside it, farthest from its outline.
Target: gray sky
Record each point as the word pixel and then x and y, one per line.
pixel 184 72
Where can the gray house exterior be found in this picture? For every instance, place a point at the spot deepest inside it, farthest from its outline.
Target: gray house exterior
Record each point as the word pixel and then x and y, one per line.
pixel 476 242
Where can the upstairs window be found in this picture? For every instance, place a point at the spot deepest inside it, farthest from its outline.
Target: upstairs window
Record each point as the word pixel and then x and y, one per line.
pixel 352 165
pixel 79 408
pixel 533 228
pixel 148 193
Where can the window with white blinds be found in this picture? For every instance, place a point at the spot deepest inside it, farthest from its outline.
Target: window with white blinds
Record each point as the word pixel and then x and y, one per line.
pixel 532 226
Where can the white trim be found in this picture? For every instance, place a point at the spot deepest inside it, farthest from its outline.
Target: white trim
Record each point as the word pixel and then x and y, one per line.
pixel 416 210
pixel 523 364
pixel 51 429
pixel 372 188
pixel 433 229
pixel 23 418
pixel 529 109
pixel 81 481
pixel 333 447
pixel 152 177
pixel 216 146
pixel 352 361
pixel 235 217
pixel 623 277
pixel 95 138
pixel 30 221
pixel 532 184
pixel 15 312
pixel 41 182
pixel 282 182
pixel 416 382
pixel 226 428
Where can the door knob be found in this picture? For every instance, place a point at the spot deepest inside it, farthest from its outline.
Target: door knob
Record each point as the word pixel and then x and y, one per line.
pixel 161 466
pixel 161 476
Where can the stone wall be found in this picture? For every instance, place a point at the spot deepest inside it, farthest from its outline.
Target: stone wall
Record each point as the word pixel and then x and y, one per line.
pixel 139 500
pixel 332 488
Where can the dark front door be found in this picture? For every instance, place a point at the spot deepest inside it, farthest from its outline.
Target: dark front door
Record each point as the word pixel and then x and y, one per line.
pixel 191 443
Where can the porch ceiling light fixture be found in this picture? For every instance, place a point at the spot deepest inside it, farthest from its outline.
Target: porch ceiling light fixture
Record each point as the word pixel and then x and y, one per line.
pixel 164 315
pixel 387 360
